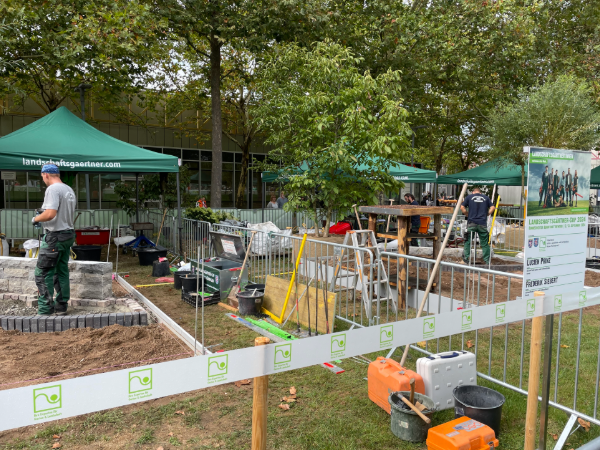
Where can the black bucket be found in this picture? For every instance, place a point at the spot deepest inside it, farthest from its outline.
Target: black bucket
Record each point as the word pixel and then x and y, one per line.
pixel 191 283
pixel 147 255
pixel 250 302
pixel 177 277
pixel 87 252
pixel 479 403
pixel 251 287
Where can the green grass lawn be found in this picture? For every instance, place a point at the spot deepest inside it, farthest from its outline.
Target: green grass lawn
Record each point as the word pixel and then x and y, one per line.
pixel 534 210
pixel 332 411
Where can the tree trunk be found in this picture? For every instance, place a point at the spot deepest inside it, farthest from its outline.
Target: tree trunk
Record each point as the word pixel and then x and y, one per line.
pixel 243 181
pixel 317 233
pixel 327 222
pixel 217 123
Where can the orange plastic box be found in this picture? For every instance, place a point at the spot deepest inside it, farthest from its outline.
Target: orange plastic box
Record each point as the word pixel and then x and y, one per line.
pixel 386 376
pixel 461 434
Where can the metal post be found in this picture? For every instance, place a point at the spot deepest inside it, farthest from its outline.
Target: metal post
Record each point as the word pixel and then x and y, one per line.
pixel 264 192
pixel 179 226
pixel 546 381
pixel 137 197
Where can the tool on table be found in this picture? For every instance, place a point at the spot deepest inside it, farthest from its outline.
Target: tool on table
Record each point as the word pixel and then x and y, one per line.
pixel 412 390
pixel 414 408
pixel 357 217
pixel 235 289
pixel 387 228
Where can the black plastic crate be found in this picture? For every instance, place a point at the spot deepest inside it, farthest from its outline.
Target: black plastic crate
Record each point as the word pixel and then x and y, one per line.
pixel 210 298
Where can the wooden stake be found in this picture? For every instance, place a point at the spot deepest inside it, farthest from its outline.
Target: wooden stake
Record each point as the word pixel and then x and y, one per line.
pixel 436 265
pixel 412 390
pixel 535 356
pixel 259 405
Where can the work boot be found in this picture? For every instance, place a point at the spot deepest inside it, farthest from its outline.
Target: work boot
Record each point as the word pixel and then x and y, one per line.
pixel 465 260
pixel 60 310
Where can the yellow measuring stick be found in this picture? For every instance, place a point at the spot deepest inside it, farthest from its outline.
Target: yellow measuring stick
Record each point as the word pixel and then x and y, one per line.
pixel 148 285
pixel 287 297
pixel 494 219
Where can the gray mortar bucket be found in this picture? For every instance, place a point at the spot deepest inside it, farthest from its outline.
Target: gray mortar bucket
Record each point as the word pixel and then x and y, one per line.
pixel 406 424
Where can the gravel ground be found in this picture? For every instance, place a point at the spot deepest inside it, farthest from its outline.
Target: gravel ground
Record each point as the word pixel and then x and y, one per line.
pixel 19 308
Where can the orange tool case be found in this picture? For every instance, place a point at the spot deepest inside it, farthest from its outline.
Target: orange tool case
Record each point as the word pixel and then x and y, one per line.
pixel 461 434
pixel 386 376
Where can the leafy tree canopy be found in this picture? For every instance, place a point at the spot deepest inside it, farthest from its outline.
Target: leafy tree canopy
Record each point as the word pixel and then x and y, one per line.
pixel 318 110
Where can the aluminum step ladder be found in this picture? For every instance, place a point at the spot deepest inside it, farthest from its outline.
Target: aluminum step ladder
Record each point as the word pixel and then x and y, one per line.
pixel 370 287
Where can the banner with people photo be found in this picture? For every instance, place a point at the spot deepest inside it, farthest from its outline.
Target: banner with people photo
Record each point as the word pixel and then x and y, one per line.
pixel 558 198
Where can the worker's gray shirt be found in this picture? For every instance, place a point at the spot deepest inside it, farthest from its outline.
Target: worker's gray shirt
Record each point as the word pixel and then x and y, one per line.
pixel 281 201
pixel 60 197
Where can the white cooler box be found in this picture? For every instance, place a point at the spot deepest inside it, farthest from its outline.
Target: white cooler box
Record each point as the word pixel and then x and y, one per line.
pixel 443 372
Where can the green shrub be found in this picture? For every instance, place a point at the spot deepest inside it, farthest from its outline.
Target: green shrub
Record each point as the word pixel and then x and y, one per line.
pixel 207 215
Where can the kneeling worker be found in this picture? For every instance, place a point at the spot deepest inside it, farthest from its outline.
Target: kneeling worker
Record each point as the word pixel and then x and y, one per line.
pixel 52 271
pixel 479 207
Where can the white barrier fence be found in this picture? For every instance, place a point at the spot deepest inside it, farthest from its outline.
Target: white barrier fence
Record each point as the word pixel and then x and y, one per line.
pixel 62 399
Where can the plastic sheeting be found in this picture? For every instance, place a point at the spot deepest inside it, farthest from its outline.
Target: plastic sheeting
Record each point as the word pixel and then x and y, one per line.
pixel 264 242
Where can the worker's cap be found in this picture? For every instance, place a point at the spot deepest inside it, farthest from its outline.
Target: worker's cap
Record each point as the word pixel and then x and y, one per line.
pixel 50 168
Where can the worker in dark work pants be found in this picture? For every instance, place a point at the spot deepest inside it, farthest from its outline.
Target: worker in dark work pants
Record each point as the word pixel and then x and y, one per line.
pixel 52 270
pixel 415 221
pixel 477 207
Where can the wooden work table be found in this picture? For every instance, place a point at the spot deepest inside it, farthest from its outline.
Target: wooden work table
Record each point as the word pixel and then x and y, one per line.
pixel 403 214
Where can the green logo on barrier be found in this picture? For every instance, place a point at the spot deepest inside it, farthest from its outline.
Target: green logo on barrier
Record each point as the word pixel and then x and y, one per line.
pixel 500 313
pixel 140 381
pixel 557 302
pixel 542 243
pixel 386 336
pixel 46 401
pixel 217 368
pixel 530 311
pixel 283 356
pixel 582 298
pixel 467 319
pixel 428 327
pixel 338 345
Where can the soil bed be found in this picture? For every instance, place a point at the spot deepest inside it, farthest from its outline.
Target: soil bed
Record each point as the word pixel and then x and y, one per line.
pixel 20 308
pixel 25 357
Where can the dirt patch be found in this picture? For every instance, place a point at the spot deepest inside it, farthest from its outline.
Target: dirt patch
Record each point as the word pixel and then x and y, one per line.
pixel 592 279
pixel 80 352
pixel 119 291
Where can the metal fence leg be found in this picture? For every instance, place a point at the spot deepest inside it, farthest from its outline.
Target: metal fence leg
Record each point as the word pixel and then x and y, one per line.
pixel 566 432
pixel 546 381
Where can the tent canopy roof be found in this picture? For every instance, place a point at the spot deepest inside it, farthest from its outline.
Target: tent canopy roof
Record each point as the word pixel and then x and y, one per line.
pixel 399 171
pixel 595 178
pixel 487 174
pixel 74 145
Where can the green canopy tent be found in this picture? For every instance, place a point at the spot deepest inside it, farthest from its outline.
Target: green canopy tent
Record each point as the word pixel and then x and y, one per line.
pixel 487 174
pixel 595 178
pixel 64 139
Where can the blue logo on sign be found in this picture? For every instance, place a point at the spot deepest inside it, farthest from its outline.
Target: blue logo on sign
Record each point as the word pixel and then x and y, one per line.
pixel 535 242
pixel 530 242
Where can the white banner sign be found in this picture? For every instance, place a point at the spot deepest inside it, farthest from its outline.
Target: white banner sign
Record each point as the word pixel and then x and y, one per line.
pixel 558 194
pixel 67 398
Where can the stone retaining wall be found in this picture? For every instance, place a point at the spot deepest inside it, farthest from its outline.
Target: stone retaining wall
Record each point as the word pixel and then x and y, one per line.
pixel 89 279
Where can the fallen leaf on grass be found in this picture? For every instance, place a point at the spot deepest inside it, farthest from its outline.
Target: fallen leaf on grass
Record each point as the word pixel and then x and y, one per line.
pixel 242 382
pixel 469 344
pixel 422 344
pixel 170 434
pixel 56 436
pixel 564 346
pixel 57 445
pixel 584 424
pixel 554 436
pixel 181 413
pixel 285 407
pixel 290 399
pixel 293 390
pixel 160 448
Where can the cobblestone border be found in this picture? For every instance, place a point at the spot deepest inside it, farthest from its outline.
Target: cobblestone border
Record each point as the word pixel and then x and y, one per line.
pixel 50 324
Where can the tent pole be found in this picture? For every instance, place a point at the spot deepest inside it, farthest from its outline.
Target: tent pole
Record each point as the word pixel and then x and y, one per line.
pixel 137 197
pixel 179 214
pixel 87 191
